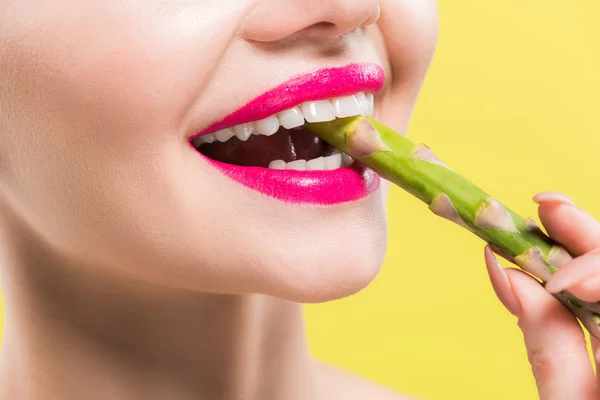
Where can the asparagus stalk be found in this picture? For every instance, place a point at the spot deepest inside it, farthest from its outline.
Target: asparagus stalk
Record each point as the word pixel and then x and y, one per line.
pixel 416 169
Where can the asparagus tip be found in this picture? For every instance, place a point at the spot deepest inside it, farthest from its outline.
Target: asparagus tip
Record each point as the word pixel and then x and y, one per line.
pixel 442 207
pixel 364 140
pixel 558 256
pixel 492 214
pixel 424 152
pixel 532 261
pixel 531 224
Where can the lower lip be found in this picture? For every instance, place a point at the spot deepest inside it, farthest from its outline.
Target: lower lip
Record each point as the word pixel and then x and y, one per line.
pixel 305 187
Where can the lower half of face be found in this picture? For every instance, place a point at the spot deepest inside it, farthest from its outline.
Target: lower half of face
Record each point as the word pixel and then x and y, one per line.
pixel 101 155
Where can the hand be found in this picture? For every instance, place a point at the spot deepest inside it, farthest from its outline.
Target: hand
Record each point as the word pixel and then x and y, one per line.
pixel 556 345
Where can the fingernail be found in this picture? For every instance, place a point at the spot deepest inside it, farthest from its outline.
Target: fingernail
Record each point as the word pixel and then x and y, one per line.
pixel 587 290
pixel 553 197
pixel 501 283
pixel 574 274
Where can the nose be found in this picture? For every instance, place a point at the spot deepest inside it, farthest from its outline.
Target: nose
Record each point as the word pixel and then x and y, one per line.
pixel 273 20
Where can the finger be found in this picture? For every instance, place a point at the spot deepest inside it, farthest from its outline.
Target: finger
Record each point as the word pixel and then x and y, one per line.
pixel 595 342
pixel 572 227
pixel 500 283
pixel 579 271
pixel 555 343
pixel 587 291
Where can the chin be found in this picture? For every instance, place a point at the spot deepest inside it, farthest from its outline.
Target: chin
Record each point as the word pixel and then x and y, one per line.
pixel 334 283
pixel 327 267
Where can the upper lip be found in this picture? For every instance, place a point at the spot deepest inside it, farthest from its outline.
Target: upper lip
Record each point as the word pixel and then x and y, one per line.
pixel 321 84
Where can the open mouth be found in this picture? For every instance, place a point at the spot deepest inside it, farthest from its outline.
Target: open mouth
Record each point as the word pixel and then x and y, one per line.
pixel 263 147
pixel 279 142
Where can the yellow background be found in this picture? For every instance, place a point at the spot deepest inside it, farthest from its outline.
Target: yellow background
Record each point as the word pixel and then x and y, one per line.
pixel 513 103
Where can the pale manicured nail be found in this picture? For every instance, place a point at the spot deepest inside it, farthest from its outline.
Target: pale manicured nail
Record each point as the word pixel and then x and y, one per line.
pixel 553 197
pixel 501 283
pixel 576 274
pixel 587 291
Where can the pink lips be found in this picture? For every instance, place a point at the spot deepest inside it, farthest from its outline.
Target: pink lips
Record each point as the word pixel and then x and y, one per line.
pixel 314 187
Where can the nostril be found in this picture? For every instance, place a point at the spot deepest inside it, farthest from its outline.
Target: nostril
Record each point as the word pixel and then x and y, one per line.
pixel 321 29
pixel 324 25
pixel 279 20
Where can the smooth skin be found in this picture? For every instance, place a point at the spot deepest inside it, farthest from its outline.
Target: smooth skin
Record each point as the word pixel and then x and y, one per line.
pixel 132 270
pixel 555 342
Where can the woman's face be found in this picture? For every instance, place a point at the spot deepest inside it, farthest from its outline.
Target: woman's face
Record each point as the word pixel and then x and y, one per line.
pixel 99 101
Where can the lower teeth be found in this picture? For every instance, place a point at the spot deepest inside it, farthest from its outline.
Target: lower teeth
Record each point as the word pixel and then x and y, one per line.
pixel 334 161
pixel 290 149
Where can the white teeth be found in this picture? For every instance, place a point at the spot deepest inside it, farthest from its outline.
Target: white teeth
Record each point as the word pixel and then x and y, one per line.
pixel 346 160
pixel 291 118
pixel 267 126
pixel 277 164
pixel 318 111
pixel 243 131
pixel 346 106
pixel 316 164
pixel 362 101
pixel 370 104
pixel 311 111
pixel 299 165
pixel 334 161
pixel 210 138
pixel 224 135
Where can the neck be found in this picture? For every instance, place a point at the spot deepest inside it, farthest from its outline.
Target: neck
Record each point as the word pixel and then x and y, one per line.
pixel 72 331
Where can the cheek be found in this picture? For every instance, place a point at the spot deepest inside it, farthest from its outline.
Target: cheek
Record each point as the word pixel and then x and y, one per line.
pixel 137 74
pixel 95 95
pixel 109 69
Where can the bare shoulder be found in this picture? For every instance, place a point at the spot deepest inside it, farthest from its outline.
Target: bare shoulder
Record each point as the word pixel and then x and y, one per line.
pixel 339 384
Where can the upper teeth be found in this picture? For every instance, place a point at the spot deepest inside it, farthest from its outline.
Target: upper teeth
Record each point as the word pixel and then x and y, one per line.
pixel 311 111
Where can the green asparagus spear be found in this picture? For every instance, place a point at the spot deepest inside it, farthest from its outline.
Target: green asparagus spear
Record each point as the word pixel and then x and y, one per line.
pixel 416 169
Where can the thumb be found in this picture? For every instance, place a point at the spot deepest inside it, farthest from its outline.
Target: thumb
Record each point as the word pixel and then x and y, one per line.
pixel 555 343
